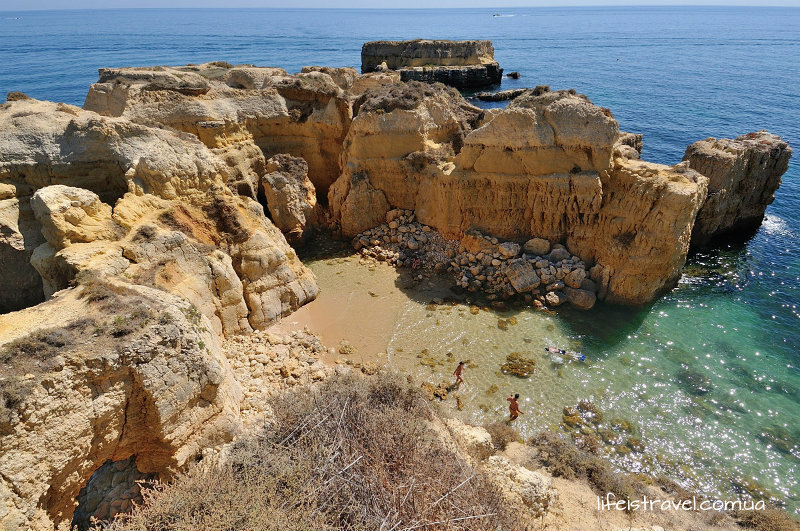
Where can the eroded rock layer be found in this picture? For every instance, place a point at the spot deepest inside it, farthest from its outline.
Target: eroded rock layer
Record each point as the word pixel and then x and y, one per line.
pixel 462 64
pixel 544 167
pixel 743 175
pixel 101 194
pixel 305 115
pixel 80 388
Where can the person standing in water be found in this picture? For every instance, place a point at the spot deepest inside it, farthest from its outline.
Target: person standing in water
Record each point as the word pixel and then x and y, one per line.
pixel 457 373
pixel 513 407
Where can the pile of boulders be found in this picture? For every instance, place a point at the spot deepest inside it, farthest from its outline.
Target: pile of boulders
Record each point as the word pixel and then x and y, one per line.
pixel 266 363
pixel 404 242
pixel 540 273
pixel 544 274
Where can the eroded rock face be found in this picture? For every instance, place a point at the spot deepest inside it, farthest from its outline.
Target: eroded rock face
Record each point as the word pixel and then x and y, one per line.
pixel 178 227
pixel 420 52
pixel 19 237
pixel 291 198
pixel 398 135
pixel 305 115
pixel 79 390
pixel 548 166
pixel 462 64
pixel 743 175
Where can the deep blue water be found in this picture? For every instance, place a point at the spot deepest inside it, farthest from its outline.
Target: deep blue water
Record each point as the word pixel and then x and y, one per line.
pixel 675 74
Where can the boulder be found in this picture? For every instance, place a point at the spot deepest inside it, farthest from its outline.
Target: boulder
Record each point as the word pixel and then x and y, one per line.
pixel 536 247
pixel 474 440
pixel 575 277
pixel 532 488
pixel 559 254
pixel 555 298
pixel 580 298
pixel 508 249
pixel 72 215
pixel 521 275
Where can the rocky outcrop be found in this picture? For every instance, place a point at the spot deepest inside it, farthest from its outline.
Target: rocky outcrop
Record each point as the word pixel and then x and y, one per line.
pixel 178 227
pixel 463 77
pixel 501 95
pixel 291 198
pixel 743 175
pixel 420 52
pixel 548 166
pixel 427 124
pixel 532 488
pixel 462 64
pixel 79 390
pixel 305 115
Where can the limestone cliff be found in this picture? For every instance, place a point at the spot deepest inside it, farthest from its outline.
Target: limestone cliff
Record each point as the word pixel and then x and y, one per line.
pixel 79 389
pixel 743 175
pixel 305 115
pixel 543 167
pixel 94 193
pixel 420 52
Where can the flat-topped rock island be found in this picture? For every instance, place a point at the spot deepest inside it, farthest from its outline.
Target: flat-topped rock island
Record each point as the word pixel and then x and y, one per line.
pixel 460 64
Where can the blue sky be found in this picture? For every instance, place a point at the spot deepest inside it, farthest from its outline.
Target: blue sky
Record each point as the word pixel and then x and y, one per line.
pixel 90 4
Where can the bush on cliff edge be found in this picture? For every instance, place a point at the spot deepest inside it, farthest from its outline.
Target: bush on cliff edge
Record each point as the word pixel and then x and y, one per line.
pixel 355 453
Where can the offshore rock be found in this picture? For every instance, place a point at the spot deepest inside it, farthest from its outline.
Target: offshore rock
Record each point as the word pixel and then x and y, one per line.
pixel 501 95
pixel 462 64
pixel 743 175
pixel 400 54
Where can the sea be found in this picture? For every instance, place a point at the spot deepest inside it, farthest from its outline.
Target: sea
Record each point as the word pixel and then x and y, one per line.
pixel 704 383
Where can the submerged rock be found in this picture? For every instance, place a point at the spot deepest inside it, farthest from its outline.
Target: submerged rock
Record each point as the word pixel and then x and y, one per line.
pixel 519 365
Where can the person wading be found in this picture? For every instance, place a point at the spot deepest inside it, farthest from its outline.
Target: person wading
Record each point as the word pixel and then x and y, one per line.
pixel 457 373
pixel 513 407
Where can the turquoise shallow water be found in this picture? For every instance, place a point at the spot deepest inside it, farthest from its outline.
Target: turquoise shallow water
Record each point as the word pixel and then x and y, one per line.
pixel 675 74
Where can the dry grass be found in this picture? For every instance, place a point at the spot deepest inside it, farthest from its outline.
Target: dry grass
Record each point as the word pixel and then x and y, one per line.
pixel 34 355
pixel 564 459
pixel 355 453
pixel 502 434
pixel 766 520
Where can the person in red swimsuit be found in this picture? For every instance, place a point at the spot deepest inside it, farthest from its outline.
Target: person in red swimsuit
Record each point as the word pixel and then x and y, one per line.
pixel 457 373
pixel 513 407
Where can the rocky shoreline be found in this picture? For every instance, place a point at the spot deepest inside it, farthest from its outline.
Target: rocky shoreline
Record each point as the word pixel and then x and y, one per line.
pixel 538 273
pixel 149 239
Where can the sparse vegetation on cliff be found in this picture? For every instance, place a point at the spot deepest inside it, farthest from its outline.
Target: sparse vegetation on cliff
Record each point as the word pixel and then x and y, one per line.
pixel 356 453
